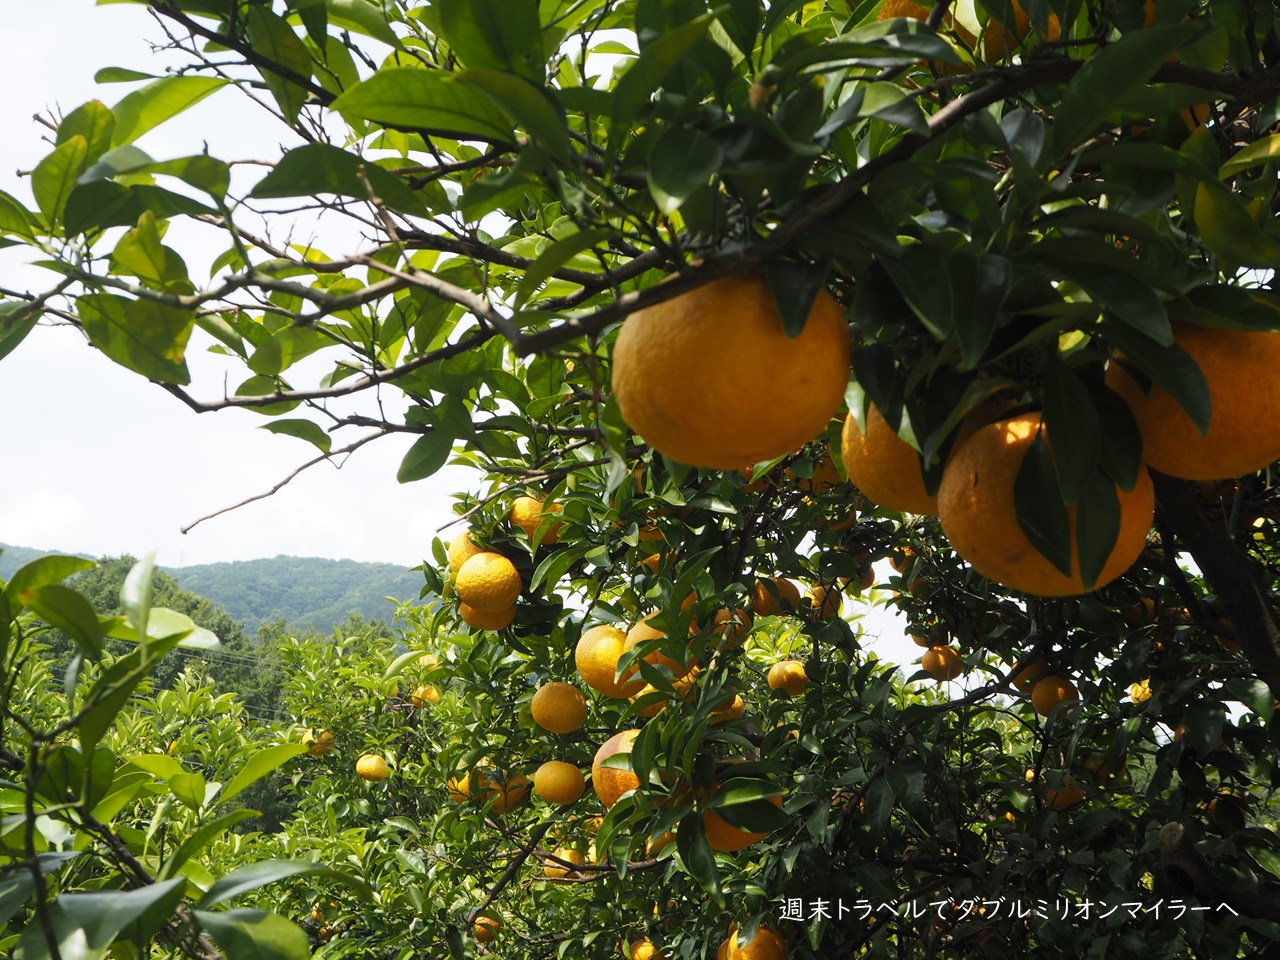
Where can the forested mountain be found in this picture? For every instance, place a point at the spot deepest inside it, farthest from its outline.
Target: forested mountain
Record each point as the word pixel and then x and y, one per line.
pixel 305 592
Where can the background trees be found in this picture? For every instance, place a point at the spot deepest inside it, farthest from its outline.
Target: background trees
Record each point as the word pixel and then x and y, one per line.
pixel 999 197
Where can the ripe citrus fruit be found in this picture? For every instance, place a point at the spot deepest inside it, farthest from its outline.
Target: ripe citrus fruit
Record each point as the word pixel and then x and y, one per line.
pixel 642 632
pixel 611 783
pixel 734 709
pixel 558 782
pixel 645 950
pixel 724 837
pixel 687 374
pixel 528 513
pixel 318 744
pixel 942 663
pixel 427 693
pixel 765 945
pixel 507 793
pixel 487 619
pixel 1239 367
pixel 884 467
pixel 558 707
pixel 824 602
pixel 461 549
pixel 788 675
pixel 372 767
pixel 774 596
pixel 1065 797
pixel 486 928
pixel 1051 691
pixel 596 658
pixel 554 871
pixel 976 507
pixel 459 790
pixel 1027 676
pixel 488 582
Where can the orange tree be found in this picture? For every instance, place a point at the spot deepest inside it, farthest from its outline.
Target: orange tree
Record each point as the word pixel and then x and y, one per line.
pixel 717 299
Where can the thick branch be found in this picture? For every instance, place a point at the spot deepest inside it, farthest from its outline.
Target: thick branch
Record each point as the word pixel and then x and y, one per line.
pixel 1186 867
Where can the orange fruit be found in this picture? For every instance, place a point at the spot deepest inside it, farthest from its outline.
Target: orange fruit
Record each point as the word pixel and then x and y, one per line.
pixel 459 790
pixel 975 505
pixel 506 792
pixel 596 657
pixel 487 619
pixel 788 675
pixel 488 582
pixel 461 549
pixel 554 871
pixel 824 602
pixel 724 837
pixel 558 707
pixel 427 693
pixel 1049 692
pixel 611 783
pixel 558 782
pixel 784 597
pixel 372 767
pixel 645 950
pixel 687 374
pixel 642 632
pixel 767 944
pixel 528 513
pixel 733 709
pixel 1025 678
pixel 486 928
pixel 915 11
pixel 942 663
pixel 998 41
pixel 1239 367
pixel 732 625
pixel 884 467
pixel 318 744
pixel 1067 796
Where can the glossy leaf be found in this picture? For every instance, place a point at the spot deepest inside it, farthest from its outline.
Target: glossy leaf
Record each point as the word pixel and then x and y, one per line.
pixel 71 613
pixel 695 851
pixel 1230 231
pixel 258 766
pixel 428 454
pixel 494 35
pixel 426 99
pixel 141 335
pixel 86 924
pixel 794 288
pixel 681 161
pixel 307 430
pixel 1072 421
pixel 255 935
pixel 1168 366
pixel 1097 522
pixel 362 16
pixel 1038 503
pixel 527 105
pixel 55 176
pixel 651 68
pixel 17 319
pixel 46 570
pixel 319 168
pixel 157 102
pixel 94 122
pixel 273 37
pixel 254 875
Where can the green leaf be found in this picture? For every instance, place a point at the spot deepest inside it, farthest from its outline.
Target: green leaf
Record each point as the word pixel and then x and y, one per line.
pixel 55 176
pixel 16 887
pixel 1116 70
pixel 255 875
pixel 699 860
pixel 307 430
pixel 1256 154
pixel 121 75
pixel 1072 423
pixel 255 935
pixel 553 258
pixel 1120 453
pixel 114 687
pixel 428 454
pixel 362 16
pixel 495 35
pixel 430 100
pixel 681 160
pixel 157 102
pixel 917 276
pixel 794 288
pixel 648 72
pixel 1038 502
pixel 141 335
pixel 189 789
pixel 259 765
pixel 103 204
pixel 319 168
pixel 271 35
pixel 15 219
pixel 86 924
pixel 94 122
pixel 71 613
pixel 1168 366
pixel 46 570
pixel 201 838
pixel 136 593
pixel 875 101
pixel 1124 295
pixel 980 286
pixel 139 252
pixel 528 106
pixel 1228 229
pixel 17 319
pixel 1097 525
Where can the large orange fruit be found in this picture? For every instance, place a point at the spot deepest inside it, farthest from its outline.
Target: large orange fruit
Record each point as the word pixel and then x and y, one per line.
pixel 488 582
pixel 1242 370
pixel 596 657
pixel 690 374
pixel 611 783
pixel 976 507
pixel 884 466
pixel 765 945
pixel 724 837
pixel 642 632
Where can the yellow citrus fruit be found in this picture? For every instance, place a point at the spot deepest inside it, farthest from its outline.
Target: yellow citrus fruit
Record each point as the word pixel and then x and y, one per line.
pixel 1068 795
pixel 372 767
pixel 976 507
pixel 788 675
pixel 765 945
pixel 611 783
pixel 734 709
pixel 774 596
pixel 724 837
pixel 1140 692
pixel 1239 367
pixel 642 632
pixel 507 793
pixel 687 374
pixel 425 694
pixel 1049 692
pixel 596 658
pixel 558 707
pixel 884 467
pixel 461 549
pixel 645 950
pixel 459 789
pixel 488 582
pixel 554 871
pixel 318 744
pixel 942 663
pixel 486 928
pixel 428 662
pixel 824 602
pixel 558 782
pixel 528 513
pixel 487 619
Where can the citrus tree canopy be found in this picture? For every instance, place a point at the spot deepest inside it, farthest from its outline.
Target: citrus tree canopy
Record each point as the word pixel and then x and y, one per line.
pixel 753 319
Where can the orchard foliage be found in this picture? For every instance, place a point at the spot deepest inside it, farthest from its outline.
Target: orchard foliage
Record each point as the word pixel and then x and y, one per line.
pixel 998 208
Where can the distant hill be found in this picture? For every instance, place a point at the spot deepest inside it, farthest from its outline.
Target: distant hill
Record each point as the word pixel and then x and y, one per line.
pixel 303 591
